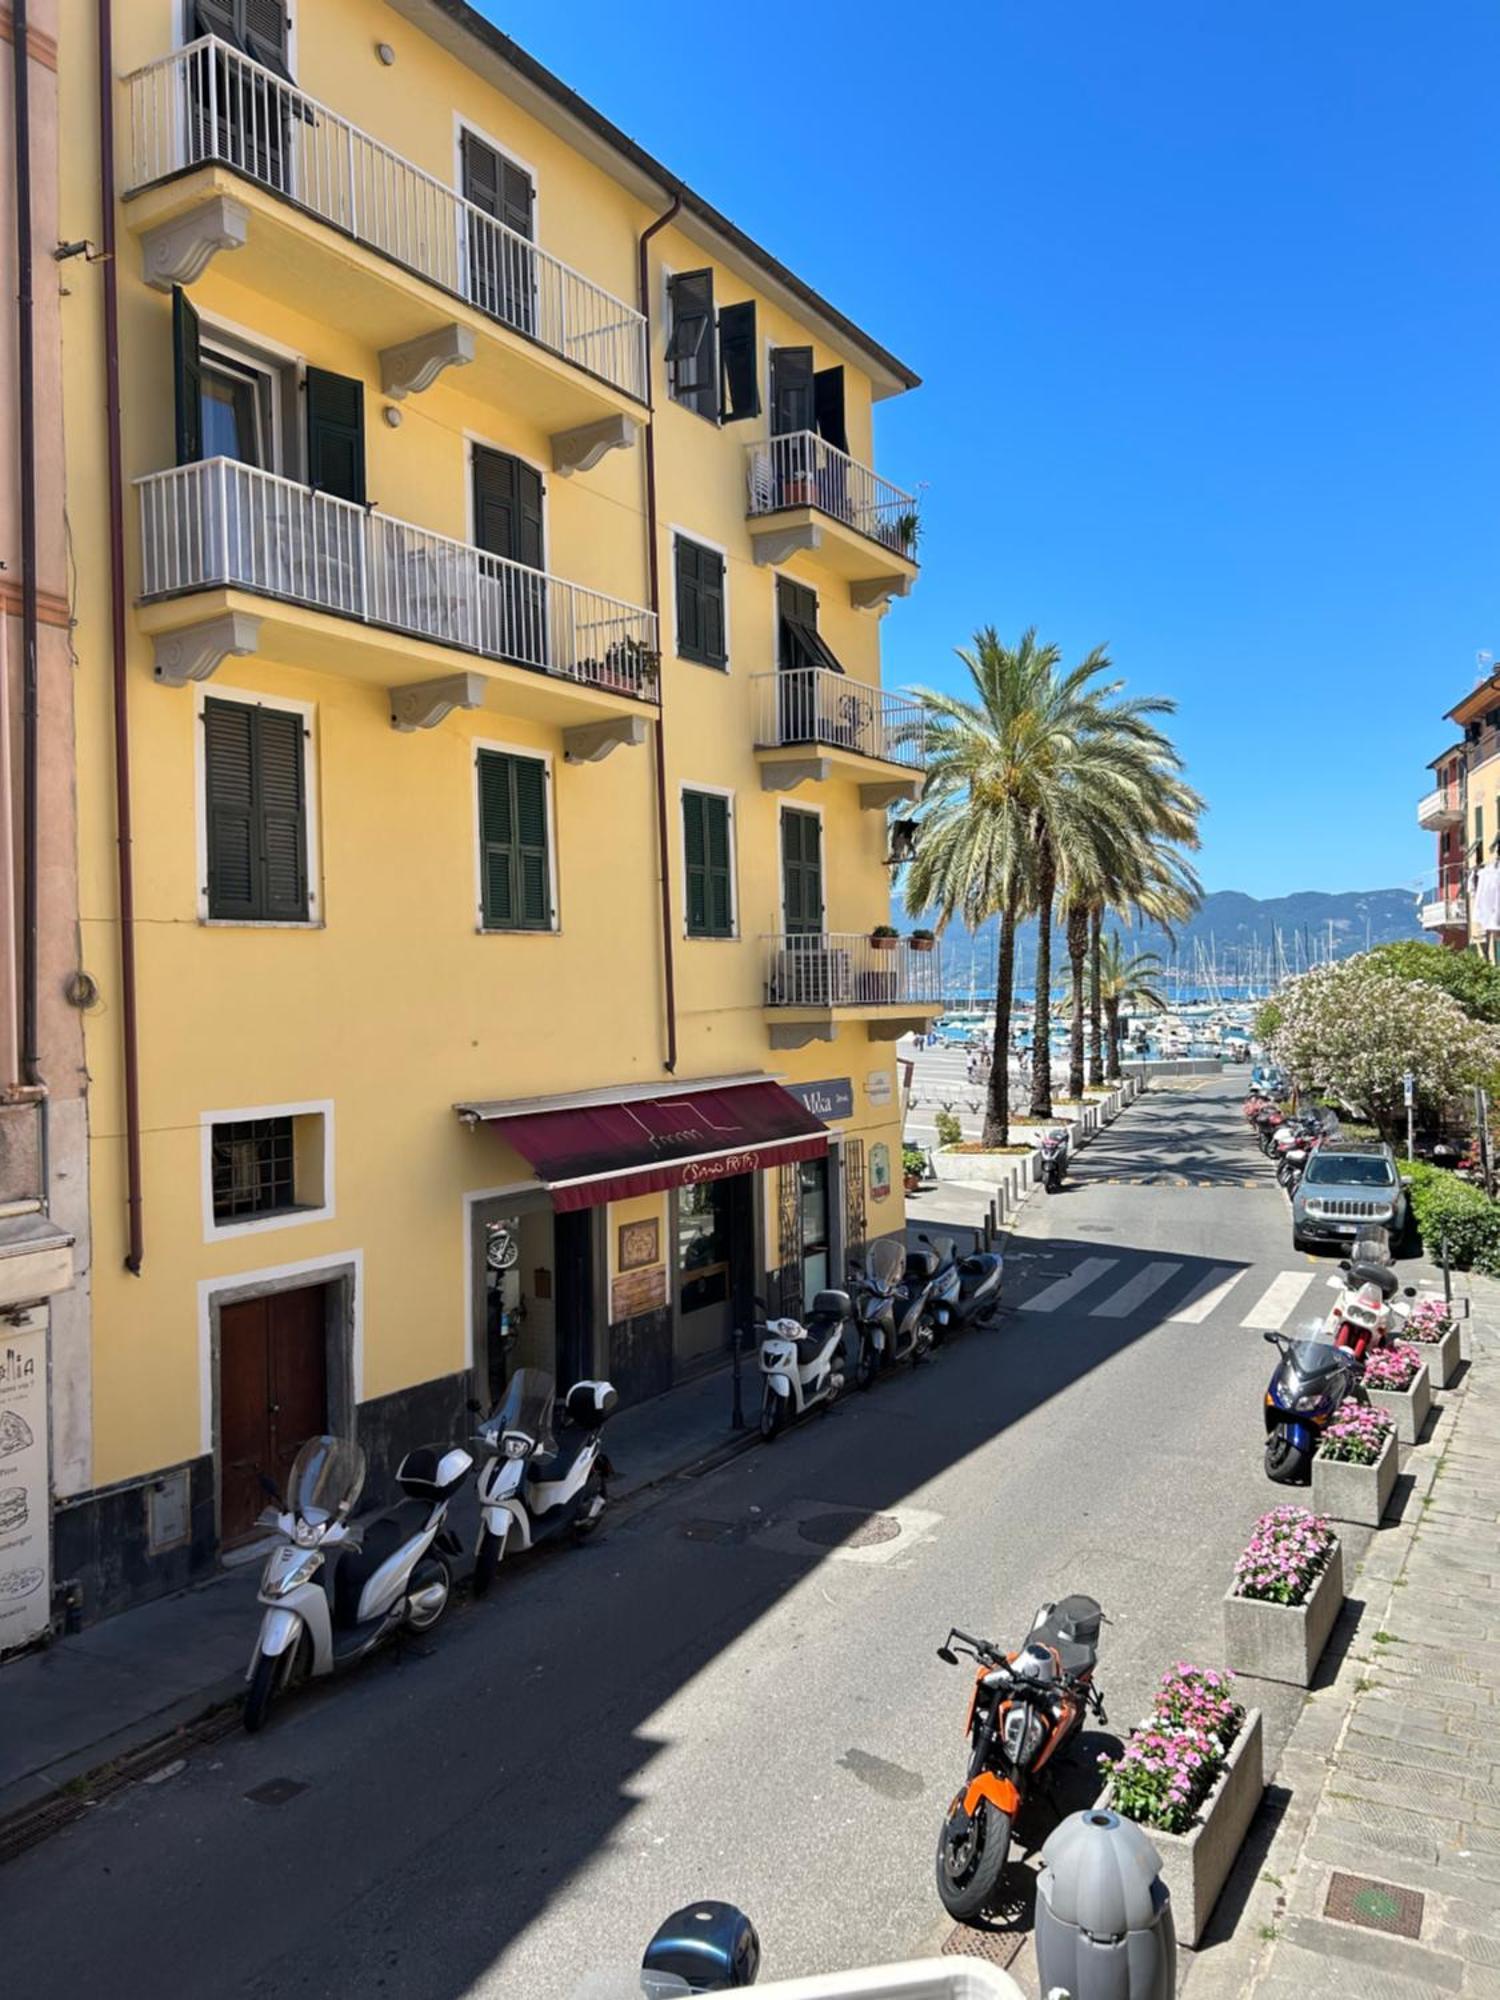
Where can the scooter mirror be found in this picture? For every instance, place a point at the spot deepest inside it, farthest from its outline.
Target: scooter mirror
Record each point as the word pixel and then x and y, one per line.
pixel 1269 1336
pixel 947 1655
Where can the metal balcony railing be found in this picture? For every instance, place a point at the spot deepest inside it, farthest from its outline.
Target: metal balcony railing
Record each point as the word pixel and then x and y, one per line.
pixel 811 705
pixel 800 469
pixel 1443 905
pixel 827 970
pixel 208 104
pixel 222 523
pixel 1443 807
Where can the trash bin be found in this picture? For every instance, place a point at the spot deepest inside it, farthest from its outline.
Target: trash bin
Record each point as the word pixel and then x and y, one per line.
pixel 1104 1927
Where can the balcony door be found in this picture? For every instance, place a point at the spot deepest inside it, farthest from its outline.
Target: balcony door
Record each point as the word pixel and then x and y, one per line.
pixel 508 524
pixel 801 873
pixel 502 262
pixel 235 112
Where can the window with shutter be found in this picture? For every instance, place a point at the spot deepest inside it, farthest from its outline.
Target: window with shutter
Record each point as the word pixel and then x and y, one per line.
pixel 502 264
pixel 236 115
pixel 701 625
pixel 692 366
pixel 802 873
pixel 514 858
pixel 792 395
pixel 708 867
pixel 799 642
pixel 187 377
pixel 255 784
pixel 336 435
pixel 738 364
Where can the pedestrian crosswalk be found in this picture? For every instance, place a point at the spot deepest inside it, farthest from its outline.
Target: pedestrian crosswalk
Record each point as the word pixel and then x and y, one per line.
pixel 1098 1288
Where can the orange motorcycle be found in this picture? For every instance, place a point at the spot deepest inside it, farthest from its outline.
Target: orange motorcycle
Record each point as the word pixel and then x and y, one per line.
pixel 1026 1706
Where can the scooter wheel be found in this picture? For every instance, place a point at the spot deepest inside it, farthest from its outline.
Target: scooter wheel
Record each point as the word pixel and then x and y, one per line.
pixel 867 1367
pixel 589 1515
pixel 772 1417
pixel 1286 1462
pixel 971 1857
pixel 431 1579
pixel 263 1684
pixel 486 1561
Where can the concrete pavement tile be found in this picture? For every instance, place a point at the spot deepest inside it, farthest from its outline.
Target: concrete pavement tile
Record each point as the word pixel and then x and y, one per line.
pixel 1481 1982
pixel 1297 1973
pixel 1400 1956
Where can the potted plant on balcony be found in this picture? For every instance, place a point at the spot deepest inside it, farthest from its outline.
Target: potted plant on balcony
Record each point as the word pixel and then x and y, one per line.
pixel 1432 1325
pixel 1397 1381
pixel 1287 1589
pixel 908 530
pixel 922 940
pixel 884 937
pixel 1354 1467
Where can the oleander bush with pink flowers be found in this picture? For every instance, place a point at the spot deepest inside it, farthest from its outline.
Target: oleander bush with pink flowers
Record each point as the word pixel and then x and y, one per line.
pixel 1169 1765
pixel 1285 1556
pixel 1392 1367
pixel 1356 1436
pixel 1429 1320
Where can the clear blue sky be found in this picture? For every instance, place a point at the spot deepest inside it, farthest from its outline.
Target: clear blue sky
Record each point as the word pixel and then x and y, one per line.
pixel 1206 300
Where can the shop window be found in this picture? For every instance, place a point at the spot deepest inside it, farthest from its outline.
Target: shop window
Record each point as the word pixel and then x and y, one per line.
pixel 703 1245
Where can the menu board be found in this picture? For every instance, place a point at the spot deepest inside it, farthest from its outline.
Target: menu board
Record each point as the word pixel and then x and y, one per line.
pixel 25 1592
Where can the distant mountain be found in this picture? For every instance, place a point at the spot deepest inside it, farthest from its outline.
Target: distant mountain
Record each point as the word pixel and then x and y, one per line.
pixel 1242 937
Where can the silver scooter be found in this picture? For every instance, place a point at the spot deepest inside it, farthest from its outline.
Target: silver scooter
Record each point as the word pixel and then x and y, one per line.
pixel 965 1289
pixel 894 1293
pixel 337 1588
pixel 533 1487
pixel 802 1364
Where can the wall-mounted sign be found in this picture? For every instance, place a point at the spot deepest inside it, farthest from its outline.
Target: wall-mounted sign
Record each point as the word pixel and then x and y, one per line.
pixel 880 1170
pixel 878 1087
pixel 640 1243
pixel 636 1292
pixel 833 1098
pixel 25 1591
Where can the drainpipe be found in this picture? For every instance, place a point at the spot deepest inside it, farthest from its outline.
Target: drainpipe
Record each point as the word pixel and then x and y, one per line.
pixel 30 1057
pixel 653 556
pixel 126 867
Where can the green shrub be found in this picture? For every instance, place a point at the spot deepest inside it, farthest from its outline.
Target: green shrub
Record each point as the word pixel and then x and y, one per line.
pixel 949 1131
pixel 1443 1205
pixel 913 1160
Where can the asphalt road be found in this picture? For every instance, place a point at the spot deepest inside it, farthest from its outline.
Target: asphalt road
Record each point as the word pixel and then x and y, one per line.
pixel 704 1701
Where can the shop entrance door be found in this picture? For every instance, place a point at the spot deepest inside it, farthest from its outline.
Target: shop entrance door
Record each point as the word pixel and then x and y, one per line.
pixel 715 1243
pixel 813 1218
pixel 273 1396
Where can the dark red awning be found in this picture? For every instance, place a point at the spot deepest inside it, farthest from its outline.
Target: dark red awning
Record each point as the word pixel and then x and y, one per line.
pixel 588 1154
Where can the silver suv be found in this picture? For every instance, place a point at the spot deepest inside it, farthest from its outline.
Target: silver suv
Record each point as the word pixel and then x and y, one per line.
pixel 1351 1188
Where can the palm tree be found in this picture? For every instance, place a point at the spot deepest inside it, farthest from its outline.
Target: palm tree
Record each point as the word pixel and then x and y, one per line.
pixel 1125 982
pixel 1017 772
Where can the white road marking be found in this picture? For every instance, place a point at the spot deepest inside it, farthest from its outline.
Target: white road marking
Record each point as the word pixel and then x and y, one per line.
pixel 1135 1294
pixel 1068 1288
pixel 1209 1294
pixel 1277 1302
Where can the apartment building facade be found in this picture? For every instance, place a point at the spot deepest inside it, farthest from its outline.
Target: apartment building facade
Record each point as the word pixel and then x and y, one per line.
pixel 494 637
pixel 1460 906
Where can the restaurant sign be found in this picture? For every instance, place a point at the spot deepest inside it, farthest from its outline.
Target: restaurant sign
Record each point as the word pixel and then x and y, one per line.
pixel 833 1098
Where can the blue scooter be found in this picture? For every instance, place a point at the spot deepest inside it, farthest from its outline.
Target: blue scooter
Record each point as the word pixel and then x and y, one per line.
pixel 1311 1381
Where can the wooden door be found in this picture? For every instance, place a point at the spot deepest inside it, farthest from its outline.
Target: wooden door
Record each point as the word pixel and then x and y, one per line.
pixel 273 1396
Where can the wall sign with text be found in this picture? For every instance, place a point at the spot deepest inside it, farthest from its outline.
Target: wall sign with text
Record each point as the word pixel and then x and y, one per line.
pixel 833 1098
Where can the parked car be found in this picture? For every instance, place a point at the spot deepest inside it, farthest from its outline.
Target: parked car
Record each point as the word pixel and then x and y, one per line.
pixel 1350 1188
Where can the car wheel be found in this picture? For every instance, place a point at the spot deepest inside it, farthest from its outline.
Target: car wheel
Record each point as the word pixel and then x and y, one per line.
pixel 1300 1243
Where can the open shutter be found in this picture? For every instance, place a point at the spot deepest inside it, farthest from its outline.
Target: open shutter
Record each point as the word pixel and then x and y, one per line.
pixel 229 788
pixel 695 856
pixel 792 406
pixel 282 812
pixel 720 912
pixel 336 435
pixel 528 547
pixel 218 17
pixel 828 407
pixel 739 373
pixel 263 28
pixel 187 374
pixel 690 345
pixel 532 873
pixel 496 841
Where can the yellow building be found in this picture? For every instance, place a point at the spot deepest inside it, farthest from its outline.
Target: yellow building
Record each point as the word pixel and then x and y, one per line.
pixel 510 780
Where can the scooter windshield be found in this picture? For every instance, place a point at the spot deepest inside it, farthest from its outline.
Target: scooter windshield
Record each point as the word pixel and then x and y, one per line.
pixel 327 1475
pixel 527 1406
pixel 1315 1356
pixel 885 1260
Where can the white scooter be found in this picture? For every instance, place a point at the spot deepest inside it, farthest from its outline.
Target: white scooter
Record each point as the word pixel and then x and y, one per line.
pixel 337 1589
pixel 802 1364
pixel 532 1486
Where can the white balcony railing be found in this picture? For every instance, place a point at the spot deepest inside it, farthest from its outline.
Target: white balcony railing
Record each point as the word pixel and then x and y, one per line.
pixel 1443 905
pixel 800 469
pixel 223 523
pixel 848 969
pixel 811 705
pixel 1444 807
pixel 208 104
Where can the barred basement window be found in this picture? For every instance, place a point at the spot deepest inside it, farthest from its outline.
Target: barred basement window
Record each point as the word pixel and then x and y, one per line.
pixel 254 1168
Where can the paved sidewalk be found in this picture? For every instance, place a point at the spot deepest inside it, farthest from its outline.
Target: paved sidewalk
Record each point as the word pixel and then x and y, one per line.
pixel 1394 1769
pixel 106 1693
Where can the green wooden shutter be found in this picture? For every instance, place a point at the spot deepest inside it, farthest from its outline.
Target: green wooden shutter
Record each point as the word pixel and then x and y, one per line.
pixel 802 872
pixel 711 598
pixel 187 374
pixel 336 435
pixel 263 32
pixel 738 364
pixel 229 787
pixel 515 874
pixel 532 872
pixel 497 841
pixel 690 344
pixel 282 815
pixel 719 883
pixel 694 848
pixel 689 604
pixel 792 405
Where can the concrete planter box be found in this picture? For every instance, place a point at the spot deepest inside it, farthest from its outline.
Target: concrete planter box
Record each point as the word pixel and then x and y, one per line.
pixel 1195 1865
pixel 989 1169
pixel 1441 1356
pixel 1284 1642
pixel 1357 1493
pixel 1406 1408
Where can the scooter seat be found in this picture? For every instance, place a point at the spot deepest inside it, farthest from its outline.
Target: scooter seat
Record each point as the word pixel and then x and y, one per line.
pixel 559 1463
pixel 380 1541
pixel 1362 1272
pixel 1072 1630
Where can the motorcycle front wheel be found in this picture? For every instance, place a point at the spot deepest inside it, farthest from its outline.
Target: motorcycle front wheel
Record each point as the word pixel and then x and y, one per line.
pixel 971 1856
pixel 486 1561
pixel 589 1516
pixel 430 1579
pixel 867 1367
pixel 772 1415
pixel 1288 1464
pixel 263 1684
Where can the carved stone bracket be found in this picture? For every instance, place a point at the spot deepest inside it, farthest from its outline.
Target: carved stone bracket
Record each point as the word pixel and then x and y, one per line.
pixel 890 792
pixel 178 252
pixel 787 773
pixel 414 365
pixel 874 593
pixel 797 1034
pixel 591 742
pixel 194 653
pixel 581 450
pixel 778 545
pixel 423 704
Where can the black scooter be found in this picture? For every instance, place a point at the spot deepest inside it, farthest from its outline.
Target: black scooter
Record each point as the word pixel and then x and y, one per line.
pixel 1054 1148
